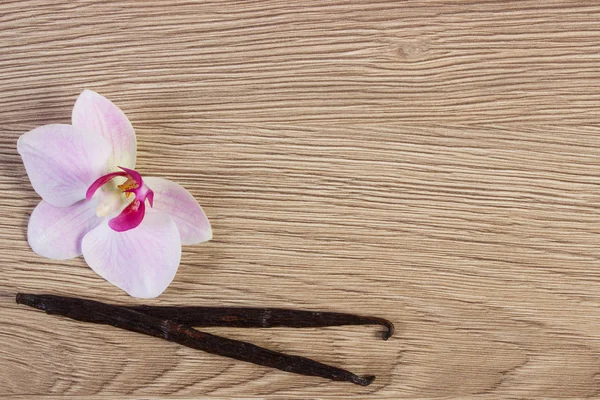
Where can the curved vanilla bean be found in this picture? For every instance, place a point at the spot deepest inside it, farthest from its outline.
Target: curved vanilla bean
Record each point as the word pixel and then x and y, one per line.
pixel 131 320
pixel 246 317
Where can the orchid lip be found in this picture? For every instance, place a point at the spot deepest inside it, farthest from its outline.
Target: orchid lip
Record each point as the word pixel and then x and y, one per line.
pixel 133 214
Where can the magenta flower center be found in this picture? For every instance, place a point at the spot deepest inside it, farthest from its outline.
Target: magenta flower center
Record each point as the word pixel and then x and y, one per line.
pixel 133 191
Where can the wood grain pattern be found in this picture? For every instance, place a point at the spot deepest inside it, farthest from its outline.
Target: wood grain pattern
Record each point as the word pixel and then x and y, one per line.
pixel 434 163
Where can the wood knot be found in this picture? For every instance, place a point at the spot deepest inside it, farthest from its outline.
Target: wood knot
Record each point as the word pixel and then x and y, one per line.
pixel 412 49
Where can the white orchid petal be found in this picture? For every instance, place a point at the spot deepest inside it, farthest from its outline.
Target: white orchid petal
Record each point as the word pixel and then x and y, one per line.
pixel 96 114
pixel 141 261
pixel 176 201
pixel 57 232
pixel 61 162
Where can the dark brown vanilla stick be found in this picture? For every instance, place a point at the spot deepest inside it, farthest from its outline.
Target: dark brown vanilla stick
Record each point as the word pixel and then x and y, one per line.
pixel 245 317
pixel 124 318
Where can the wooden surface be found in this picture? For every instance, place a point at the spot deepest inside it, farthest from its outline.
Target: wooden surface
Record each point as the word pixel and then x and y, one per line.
pixel 434 163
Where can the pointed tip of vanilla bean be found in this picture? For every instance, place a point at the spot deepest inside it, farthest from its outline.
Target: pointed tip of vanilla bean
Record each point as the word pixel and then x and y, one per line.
pixel 24 298
pixel 390 328
pixel 29 300
pixel 363 380
pixel 385 335
pixel 32 300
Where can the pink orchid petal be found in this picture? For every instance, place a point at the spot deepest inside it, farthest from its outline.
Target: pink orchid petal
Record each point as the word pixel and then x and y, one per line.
pixel 98 183
pixel 129 218
pixel 57 232
pixel 96 114
pixel 142 261
pixel 61 162
pixel 173 199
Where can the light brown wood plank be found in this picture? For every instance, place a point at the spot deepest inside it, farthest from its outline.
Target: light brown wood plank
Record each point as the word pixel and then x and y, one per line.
pixel 434 163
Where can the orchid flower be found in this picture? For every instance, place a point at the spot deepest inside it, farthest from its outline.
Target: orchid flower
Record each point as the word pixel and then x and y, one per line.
pixel 129 229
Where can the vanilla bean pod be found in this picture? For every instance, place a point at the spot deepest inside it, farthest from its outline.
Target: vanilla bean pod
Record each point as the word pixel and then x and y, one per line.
pixel 247 317
pixel 135 321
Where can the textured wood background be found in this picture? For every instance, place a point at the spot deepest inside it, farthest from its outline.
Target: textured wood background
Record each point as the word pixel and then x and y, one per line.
pixel 435 163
